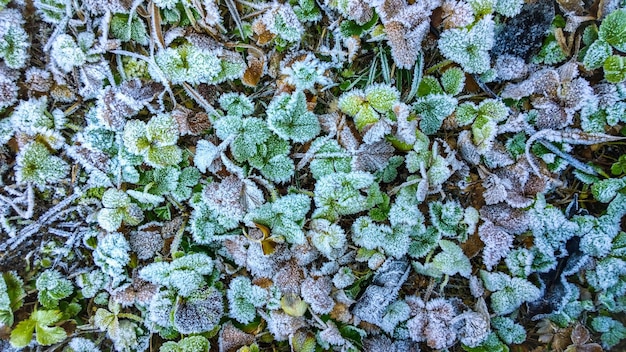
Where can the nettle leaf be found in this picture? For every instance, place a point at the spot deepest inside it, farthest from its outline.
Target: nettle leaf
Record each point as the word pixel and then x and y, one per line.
pixel 612 330
pixel 124 29
pixel 52 287
pixel 613 29
pixel 596 54
pixel 453 80
pixel 508 293
pixel 366 106
pixel 469 47
pixel 605 190
pixel 244 298
pixel 40 323
pixel 433 109
pixel 236 104
pixel 451 260
pixel 289 118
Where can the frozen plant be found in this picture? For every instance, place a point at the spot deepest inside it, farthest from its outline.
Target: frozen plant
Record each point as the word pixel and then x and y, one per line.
pixel 305 73
pixel 53 11
pixel 285 216
pixel 199 312
pixel 155 140
pixel 81 344
pixel 281 22
pixel 433 109
pixel 612 330
pixel 236 104
pixel 118 208
pixel 196 64
pixel 316 292
pixel 112 255
pixel 508 293
pixel 14 41
pixel 91 282
pixel 52 287
pixel 450 261
pixel 508 330
pixel 184 274
pixel 34 163
pixel 327 237
pixel 67 54
pixel 469 47
pixel 367 106
pixel 244 298
pixel 289 117
pixel 187 344
pixel 342 194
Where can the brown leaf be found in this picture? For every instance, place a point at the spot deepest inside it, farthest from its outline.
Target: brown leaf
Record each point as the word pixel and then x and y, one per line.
pixel 580 334
pixel 253 73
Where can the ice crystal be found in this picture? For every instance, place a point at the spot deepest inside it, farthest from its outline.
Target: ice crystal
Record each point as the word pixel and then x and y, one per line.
pixel 14 41
pixel 340 194
pixel 118 208
pixel 36 164
pixel 366 106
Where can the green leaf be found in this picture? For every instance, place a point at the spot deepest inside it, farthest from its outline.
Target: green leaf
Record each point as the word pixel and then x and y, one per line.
pixel 22 334
pixel 619 167
pixel 615 69
pixel 613 29
pixel 39 322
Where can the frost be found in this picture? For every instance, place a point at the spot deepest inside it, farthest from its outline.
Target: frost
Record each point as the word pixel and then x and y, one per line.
pixel 36 164
pixel 340 194
pixel 243 299
pixel 236 104
pixel 289 118
pixel 469 47
pixel 305 73
pixel 508 293
pixel 199 312
pixel 66 53
pixel 155 140
pixel 285 216
pixel 316 292
pixel 328 238
pixel 366 106
pixel 112 255
pixel 52 287
pixel 184 274
pixel 434 108
pixel 14 41
pixel 509 331
pixel 118 208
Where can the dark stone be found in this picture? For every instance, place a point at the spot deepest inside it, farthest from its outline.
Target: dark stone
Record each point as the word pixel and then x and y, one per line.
pixel 523 34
